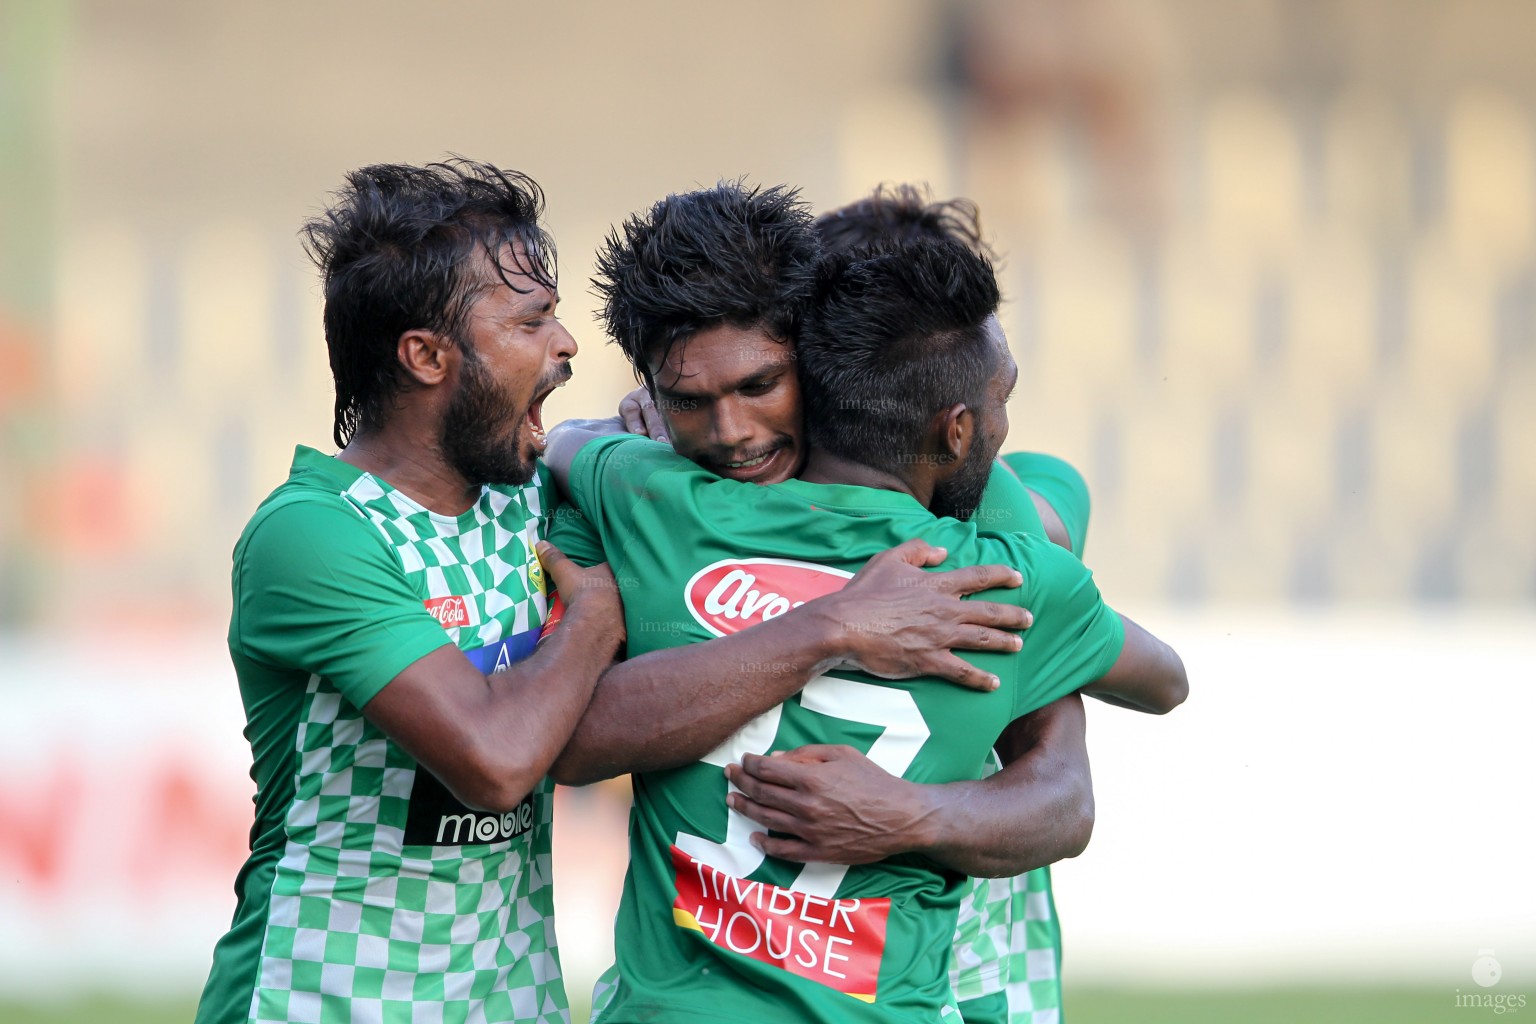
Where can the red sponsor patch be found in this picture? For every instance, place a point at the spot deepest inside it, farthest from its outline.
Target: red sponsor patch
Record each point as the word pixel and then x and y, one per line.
pixel 731 595
pixel 837 942
pixel 556 613
pixel 452 612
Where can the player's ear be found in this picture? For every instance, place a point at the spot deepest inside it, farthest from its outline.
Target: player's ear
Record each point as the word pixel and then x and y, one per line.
pixel 426 355
pixel 958 431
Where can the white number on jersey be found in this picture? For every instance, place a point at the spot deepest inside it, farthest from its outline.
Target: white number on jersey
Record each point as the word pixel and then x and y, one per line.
pixel 904 734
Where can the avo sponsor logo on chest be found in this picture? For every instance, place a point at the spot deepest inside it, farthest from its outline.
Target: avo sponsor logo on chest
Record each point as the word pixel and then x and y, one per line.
pixel 836 942
pixel 735 593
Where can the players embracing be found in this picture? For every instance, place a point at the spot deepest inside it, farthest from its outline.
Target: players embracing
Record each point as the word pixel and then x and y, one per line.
pixel 866 396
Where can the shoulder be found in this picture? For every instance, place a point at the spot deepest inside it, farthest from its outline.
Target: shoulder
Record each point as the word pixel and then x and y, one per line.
pixel 626 454
pixel 628 463
pixel 292 511
pixel 1043 564
pixel 302 531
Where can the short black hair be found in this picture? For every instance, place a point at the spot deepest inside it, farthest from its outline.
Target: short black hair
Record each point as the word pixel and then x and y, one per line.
pixel 893 338
pixel 901 213
pixel 734 255
pixel 397 252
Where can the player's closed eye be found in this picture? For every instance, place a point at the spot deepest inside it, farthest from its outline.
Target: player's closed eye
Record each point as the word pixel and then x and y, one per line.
pixel 759 387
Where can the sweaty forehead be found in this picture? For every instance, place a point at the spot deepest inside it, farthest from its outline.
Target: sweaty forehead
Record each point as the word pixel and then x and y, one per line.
pixel 511 280
pixel 720 359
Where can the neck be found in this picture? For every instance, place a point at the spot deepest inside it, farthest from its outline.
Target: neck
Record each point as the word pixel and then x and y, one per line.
pixel 411 461
pixel 825 468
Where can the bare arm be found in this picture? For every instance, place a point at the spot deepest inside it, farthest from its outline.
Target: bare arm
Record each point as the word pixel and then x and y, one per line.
pixel 490 739
pixel 1148 676
pixel 671 707
pixel 836 805
pixel 1055 529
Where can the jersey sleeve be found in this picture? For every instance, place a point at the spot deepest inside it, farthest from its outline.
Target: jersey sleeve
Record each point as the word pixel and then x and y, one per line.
pixel 610 474
pixel 575 535
pixel 1075 638
pixel 1006 506
pixel 316 589
pixel 1062 487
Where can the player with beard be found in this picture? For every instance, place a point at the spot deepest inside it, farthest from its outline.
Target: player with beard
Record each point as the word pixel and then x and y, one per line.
pixel 1007 963
pixel 399 856
pixel 710 928
pixel 387 606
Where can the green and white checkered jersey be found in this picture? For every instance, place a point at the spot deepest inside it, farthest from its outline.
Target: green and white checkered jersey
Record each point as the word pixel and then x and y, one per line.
pixel 709 929
pixel 371 893
pixel 1007 961
pixel 1009 970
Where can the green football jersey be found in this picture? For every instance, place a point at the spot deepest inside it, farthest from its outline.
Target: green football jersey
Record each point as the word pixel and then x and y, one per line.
pixel 370 892
pixel 709 928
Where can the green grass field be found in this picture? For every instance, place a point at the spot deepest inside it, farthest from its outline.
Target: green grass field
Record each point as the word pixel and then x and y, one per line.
pixel 1105 1006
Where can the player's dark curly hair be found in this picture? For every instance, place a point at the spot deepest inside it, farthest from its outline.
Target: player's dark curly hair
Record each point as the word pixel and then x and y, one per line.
pixel 730 254
pixel 398 251
pixel 893 338
pixel 901 213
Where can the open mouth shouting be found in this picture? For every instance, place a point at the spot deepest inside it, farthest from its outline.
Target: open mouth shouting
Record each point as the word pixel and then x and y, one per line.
pixel 535 415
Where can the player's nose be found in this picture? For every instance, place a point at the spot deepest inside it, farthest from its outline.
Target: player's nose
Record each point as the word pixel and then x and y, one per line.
pixel 731 428
pixel 563 344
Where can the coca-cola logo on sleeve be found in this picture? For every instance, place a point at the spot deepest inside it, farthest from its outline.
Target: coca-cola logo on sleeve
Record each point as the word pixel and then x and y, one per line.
pixel 451 611
pixel 732 594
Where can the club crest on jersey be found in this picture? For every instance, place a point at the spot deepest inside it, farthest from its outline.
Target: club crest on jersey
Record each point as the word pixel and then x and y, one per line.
pixel 735 593
pixel 452 612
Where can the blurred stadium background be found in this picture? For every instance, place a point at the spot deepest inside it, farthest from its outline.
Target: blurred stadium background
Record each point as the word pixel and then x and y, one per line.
pixel 1271 279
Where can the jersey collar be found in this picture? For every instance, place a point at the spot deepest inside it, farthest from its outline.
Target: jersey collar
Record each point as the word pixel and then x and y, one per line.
pixel 309 462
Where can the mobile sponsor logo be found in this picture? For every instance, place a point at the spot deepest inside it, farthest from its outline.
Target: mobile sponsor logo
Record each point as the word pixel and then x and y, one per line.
pixel 731 595
pixel 437 818
pixel 837 942
pixel 452 612
pixel 481 827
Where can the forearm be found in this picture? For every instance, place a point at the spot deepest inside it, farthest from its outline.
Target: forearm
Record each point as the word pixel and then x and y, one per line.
pixel 673 706
pixel 490 739
pixel 1000 826
pixel 1038 810
pixel 531 708
pixel 828 802
pixel 1149 675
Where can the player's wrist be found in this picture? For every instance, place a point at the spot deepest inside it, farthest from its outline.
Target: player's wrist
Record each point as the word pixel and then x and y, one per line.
pixel 821 635
pixel 926 828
